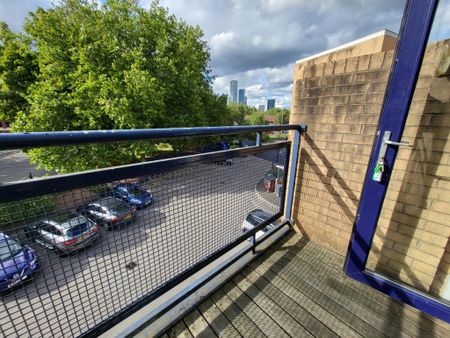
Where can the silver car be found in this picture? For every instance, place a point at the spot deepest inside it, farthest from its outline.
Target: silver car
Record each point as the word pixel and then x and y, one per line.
pixel 255 218
pixel 110 212
pixel 63 233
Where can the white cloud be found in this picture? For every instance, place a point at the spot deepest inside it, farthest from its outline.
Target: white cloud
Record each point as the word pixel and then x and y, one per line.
pixel 222 40
pixel 257 41
pixel 261 84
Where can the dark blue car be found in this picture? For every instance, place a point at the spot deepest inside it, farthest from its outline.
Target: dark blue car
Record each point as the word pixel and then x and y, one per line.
pixel 218 146
pixel 133 194
pixel 17 262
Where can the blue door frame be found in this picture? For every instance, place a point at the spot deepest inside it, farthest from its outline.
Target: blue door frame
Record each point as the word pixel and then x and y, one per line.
pixel 416 25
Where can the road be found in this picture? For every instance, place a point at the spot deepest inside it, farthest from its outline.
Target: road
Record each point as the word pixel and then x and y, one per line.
pixel 197 210
pixel 14 166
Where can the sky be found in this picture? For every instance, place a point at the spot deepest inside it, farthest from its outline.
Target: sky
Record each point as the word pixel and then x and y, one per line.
pixel 258 41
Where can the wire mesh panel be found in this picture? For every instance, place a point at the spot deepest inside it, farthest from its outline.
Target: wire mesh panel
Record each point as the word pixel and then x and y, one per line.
pixel 73 259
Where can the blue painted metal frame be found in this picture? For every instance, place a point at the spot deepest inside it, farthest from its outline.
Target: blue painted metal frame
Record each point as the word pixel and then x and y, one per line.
pixel 59 138
pixel 416 26
pixel 24 189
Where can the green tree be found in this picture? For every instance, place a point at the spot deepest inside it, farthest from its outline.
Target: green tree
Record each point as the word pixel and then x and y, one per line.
pixel 256 118
pixel 17 72
pixel 281 115
pixel 238 113
pixel 115 67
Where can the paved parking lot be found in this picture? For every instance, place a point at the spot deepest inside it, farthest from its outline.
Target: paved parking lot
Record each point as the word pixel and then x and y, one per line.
pixel 14 166
pixel 196 211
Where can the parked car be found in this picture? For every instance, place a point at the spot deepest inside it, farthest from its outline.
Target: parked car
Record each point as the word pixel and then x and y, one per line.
pixel 218 146
pixel 247 143
pixel 255 218
pixel 133 194
pixel 109 212
pixel 17 262
pixel 64 233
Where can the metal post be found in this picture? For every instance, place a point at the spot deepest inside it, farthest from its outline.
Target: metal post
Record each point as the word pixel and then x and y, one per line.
pixel 292 174
pixel 258 139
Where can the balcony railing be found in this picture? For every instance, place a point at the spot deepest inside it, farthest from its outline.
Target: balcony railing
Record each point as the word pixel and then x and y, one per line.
pixel 83 251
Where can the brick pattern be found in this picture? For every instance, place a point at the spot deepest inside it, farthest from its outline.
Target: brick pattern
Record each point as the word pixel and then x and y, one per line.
pixel 411 242
pixel 341 102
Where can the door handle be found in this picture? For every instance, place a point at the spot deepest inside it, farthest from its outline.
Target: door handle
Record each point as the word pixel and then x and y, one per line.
pixel 385 142
pixel 399 144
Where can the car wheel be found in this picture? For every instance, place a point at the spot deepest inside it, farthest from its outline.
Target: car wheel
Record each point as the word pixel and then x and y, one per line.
pixel 59 252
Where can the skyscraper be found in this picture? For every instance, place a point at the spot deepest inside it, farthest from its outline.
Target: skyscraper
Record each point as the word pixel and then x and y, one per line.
pixel 261 108
pixel 233 96
pixel 242 98
pixel 270 104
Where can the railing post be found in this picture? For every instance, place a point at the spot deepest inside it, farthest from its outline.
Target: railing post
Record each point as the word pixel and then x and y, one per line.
pixel 292 174
pixel 258 139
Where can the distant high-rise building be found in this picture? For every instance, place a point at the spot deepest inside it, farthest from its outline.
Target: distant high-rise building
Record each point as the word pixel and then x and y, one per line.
pixel 261 108
pixel 233 96
pixel 242 99
pixel 270 104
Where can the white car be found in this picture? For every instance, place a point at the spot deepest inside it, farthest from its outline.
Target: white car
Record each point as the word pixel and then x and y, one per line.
pixel 254 218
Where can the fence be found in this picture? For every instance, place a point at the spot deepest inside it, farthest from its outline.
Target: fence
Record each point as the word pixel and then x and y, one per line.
pixel 80 252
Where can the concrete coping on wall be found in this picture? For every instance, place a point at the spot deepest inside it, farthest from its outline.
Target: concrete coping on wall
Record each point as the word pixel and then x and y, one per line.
pixel 384 32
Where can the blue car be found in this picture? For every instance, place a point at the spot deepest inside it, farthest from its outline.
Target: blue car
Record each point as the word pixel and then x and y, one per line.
pixel 17 262
pixel 133 194
pixel 218 146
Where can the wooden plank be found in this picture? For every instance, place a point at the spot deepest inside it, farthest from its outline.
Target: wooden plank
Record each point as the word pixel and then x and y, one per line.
pixel 400 315
pixel 304 273
pixel 179 330
pixel 237 317
pixel 218 322
pixel 326 317
pixel 315 326
pixel 357 323
pixel 288 323
pixel 197 325
pixel 266 324
pixel 336 281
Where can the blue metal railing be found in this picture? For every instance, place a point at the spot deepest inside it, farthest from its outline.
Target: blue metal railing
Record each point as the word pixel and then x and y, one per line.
pixel 256 158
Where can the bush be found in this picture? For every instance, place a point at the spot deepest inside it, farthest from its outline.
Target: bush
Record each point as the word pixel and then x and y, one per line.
pixel 27 208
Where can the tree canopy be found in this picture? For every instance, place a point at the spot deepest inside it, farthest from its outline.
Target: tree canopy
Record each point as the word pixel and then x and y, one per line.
pixel 115 67
pixel 78 66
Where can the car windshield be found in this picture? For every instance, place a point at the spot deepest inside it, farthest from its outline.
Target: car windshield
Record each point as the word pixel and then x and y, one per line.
pixel 257 217
pixel 118 207
pixel 136 191
pixel 77 230
pixel 8 249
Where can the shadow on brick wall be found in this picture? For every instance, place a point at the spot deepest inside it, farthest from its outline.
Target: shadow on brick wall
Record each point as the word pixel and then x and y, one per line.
pixel 331 177
pixel 420 173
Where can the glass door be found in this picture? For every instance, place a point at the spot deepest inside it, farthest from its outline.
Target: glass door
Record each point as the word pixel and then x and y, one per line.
pixel 400 241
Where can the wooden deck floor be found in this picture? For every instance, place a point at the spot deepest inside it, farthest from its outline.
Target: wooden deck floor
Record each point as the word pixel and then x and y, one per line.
pixel 298 289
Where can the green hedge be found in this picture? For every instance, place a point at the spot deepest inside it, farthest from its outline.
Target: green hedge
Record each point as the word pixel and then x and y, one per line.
pixel 23 209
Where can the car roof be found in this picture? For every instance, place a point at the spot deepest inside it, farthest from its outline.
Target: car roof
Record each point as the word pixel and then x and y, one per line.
pixel 65 220
pixel 107 201
pixel 126 185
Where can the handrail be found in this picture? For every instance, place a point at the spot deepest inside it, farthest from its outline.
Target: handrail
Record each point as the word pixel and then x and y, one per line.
pixel 58 138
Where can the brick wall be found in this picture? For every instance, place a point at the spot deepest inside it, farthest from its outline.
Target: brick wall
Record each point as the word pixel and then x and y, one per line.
pixel 340 100
pixel 411 242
